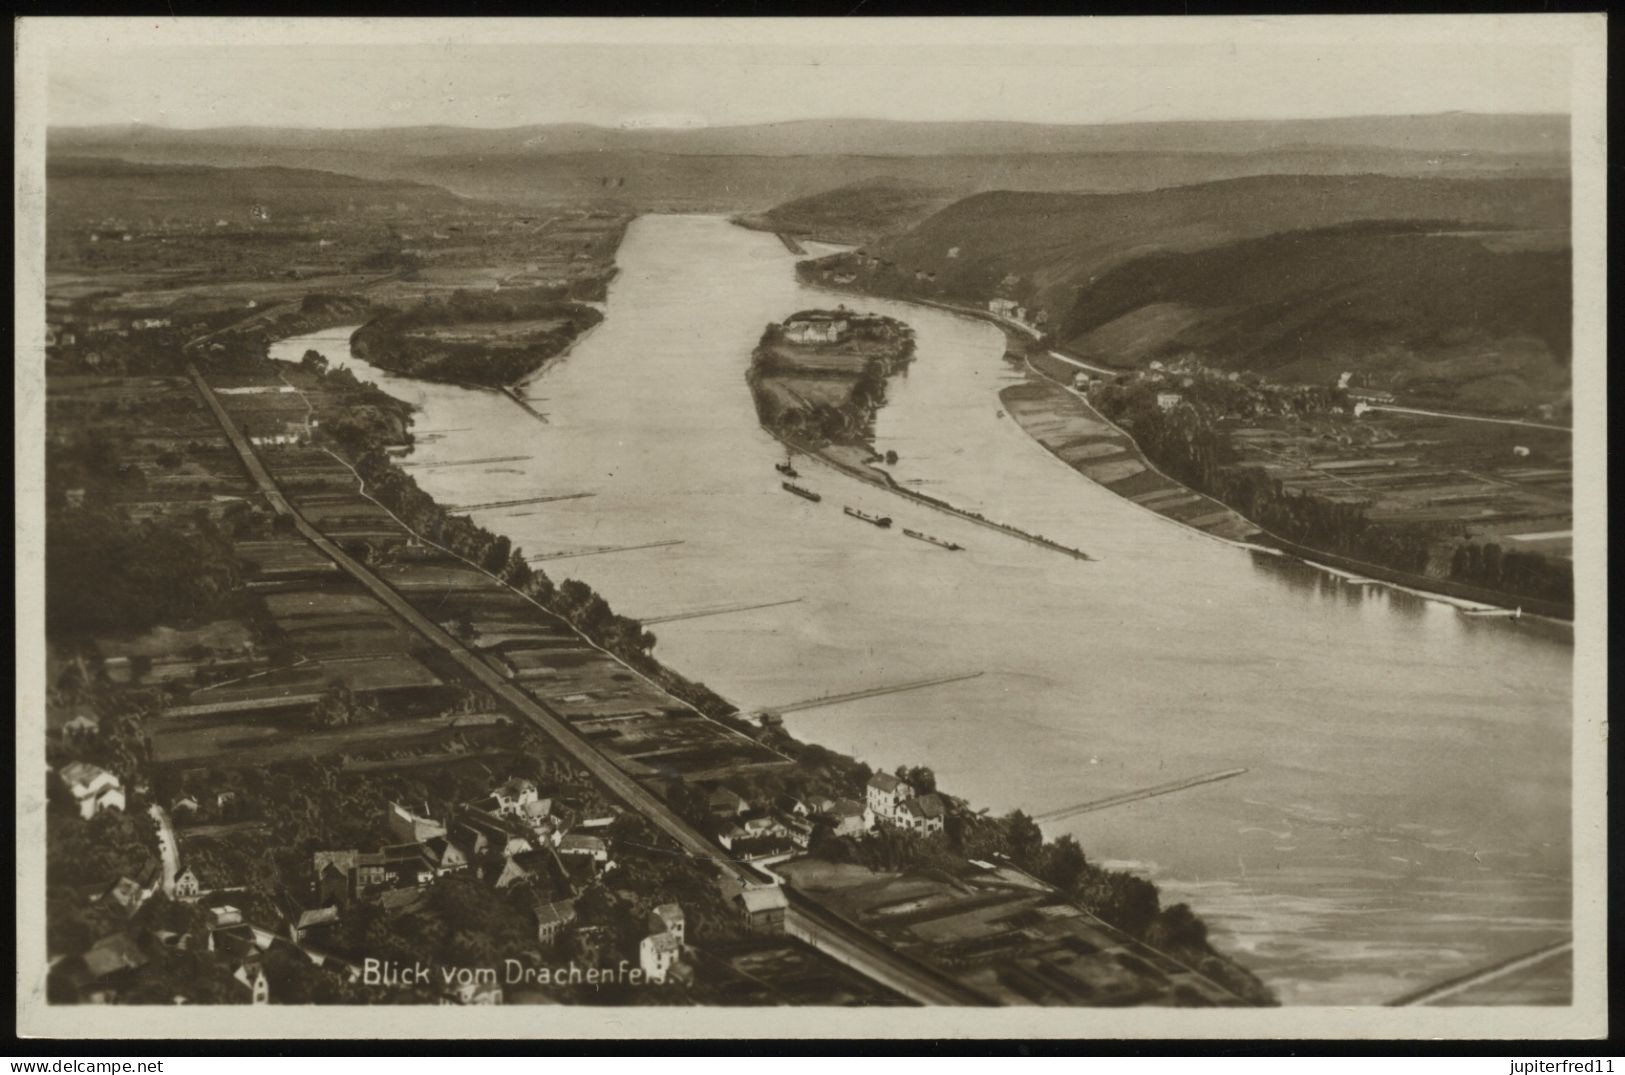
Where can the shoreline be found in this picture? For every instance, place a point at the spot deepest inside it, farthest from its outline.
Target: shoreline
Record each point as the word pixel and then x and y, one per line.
pixel 1438 590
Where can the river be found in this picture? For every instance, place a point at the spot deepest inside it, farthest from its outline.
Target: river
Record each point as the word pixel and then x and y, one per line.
pixel 1405 814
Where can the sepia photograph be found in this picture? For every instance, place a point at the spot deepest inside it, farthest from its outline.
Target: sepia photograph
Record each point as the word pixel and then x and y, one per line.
pixel 1098 525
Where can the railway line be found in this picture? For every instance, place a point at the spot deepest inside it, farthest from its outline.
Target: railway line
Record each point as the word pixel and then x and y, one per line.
pixel 852 946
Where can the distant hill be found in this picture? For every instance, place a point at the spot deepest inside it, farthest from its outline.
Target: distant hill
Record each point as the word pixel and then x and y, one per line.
pixel 1474 319
pixel 857 212
pixel 98 186
pixel 753 168
pixel 837 136
pixel 1040 249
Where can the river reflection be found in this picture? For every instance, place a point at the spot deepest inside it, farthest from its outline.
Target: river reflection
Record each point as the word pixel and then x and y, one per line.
pixel 1405 812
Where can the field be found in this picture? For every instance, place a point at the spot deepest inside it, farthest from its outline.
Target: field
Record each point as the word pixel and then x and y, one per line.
pixel 1487 481
pixel 490 332
pixel 1085 441
pixel 1004 934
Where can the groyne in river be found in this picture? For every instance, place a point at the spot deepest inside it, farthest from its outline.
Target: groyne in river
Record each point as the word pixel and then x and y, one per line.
pixel 1405 814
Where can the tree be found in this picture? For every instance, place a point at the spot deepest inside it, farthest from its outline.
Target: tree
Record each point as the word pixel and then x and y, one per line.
pixel 1025 839
pixel 1065 865
pixel 314 361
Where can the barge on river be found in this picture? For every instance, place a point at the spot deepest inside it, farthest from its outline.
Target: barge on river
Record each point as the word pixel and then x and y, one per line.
pixel 786 469
pixel 806 494
pixel 882 521
pixel 933 540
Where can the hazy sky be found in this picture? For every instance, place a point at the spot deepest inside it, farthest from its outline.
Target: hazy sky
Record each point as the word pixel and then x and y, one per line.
pixel 353 73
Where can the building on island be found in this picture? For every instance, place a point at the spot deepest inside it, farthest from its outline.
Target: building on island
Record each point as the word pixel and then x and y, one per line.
pixel 816 328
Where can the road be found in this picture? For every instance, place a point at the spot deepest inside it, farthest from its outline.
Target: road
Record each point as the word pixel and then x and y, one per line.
pixel 851 946
pixel 168 848
pixel 1467 417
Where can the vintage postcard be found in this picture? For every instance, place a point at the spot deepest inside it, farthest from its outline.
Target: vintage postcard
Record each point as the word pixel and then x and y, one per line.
pixel 943 527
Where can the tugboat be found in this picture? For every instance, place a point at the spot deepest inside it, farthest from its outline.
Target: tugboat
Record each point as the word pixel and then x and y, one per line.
pixel 951 546
pixel 882 521
pixel 806 494
pixel 786 469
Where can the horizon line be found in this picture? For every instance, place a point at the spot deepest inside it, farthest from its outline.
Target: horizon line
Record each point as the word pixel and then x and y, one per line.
pixel 631 129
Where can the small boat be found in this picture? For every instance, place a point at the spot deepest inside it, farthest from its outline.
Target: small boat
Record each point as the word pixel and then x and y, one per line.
pixel 882 521
pixel 933 540
pixel 998 414
pixel 786 469
pixel 807 494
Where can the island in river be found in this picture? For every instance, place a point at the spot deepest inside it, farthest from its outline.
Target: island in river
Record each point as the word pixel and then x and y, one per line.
pixel 819 376
pixel 490 339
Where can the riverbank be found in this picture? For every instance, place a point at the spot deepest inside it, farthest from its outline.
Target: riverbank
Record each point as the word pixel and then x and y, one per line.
pixel 1068 426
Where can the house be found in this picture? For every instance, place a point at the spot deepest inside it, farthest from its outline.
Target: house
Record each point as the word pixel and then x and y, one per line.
pixel 345 875
pixel 285 434
pixel 522 867
pixel 304 923
pixel 83 725
pixel 763 825
pixel 444 855
pixel 251 976
pixel 886 793
pixel 512 795
pixel 126 893
pixel 93 788
pixel 578 844
pixel 668 917
pixel 187 886
pixel 552 918
pixel 730 834
pixel 848 816
pixel 223 917
pixel 763 908
pixel 500 834
pixel 923 814
pixel 539 813
pixel 186 805
pixel 471 842
pixel 798 829
pixel 413 824
pixel 1002 307
pixel 656 954
pixel 408 864
pixel 815 328
pixel 789 804
pixel 725 801
pixel 1167 401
